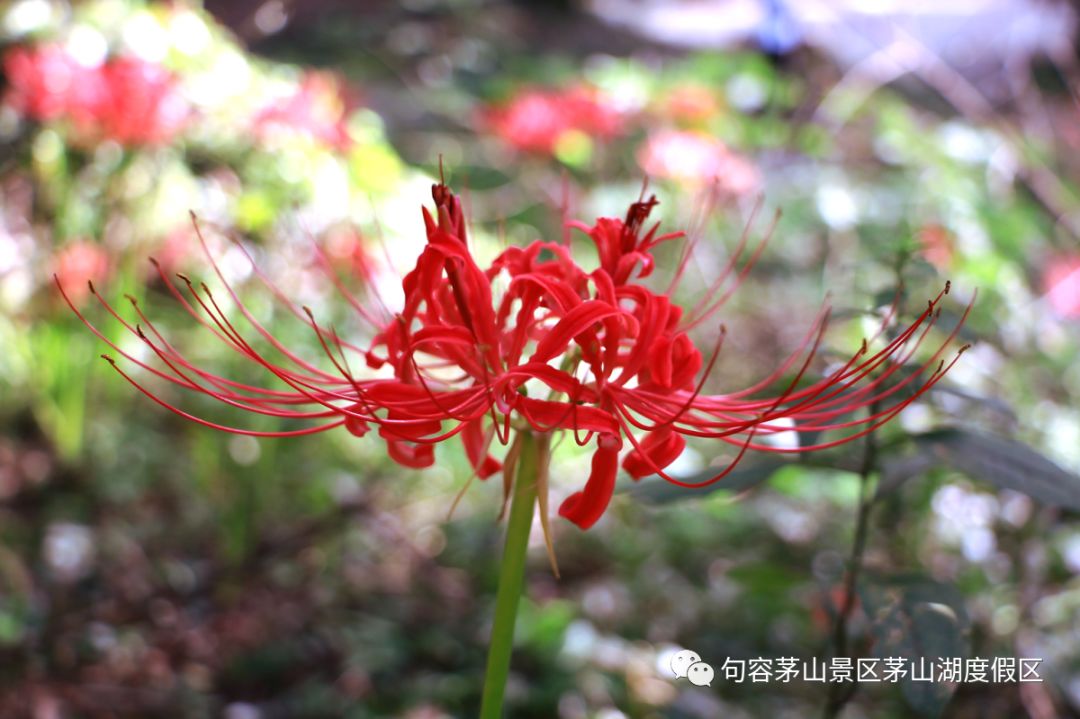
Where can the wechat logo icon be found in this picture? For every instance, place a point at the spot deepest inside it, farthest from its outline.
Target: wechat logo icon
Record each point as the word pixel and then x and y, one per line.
pixel 687 664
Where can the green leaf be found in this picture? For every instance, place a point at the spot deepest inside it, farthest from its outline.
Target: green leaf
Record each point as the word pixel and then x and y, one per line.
pixel 543 626
pixel 922 621
pixel 478 178
pixel 749 474
pixel 1004 463
pixel 897 470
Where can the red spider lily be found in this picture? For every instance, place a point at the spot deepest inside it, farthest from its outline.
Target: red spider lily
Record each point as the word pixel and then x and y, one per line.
pixel 127 100
pixel 536 120
pixel 535 342
pixel 78 265
pixel 47 83
pixel 143 105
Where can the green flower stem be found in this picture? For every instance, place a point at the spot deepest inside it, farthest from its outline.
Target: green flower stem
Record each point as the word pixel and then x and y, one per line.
pixel 511 578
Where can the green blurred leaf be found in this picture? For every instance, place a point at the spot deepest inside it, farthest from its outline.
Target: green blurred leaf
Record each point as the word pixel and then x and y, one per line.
pixel 749 474
pixel 479 178
pixel 1004 463
pixel 542 626
pixel 897 470
pixel 920 620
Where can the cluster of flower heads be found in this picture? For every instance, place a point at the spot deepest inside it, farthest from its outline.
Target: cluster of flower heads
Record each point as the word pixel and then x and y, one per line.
pixel 537 343
pixel 137 102
pixel 248 143
pixel 536 120
pixel 127 99
pixel 676 146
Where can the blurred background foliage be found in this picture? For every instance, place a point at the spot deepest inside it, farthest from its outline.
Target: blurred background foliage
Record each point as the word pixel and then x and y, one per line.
pixel 150 567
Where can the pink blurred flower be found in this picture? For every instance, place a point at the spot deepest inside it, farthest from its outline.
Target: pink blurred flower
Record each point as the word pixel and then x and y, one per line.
pixel 174 251
pixel 143 104
pixel 46 83
pixel 690 104
pixel 345 249
pixel 316 110
pixel 936 245
pixel 128 100
pixel 535 120
pixel 695 157
pixel 77 264
pixel 1061 281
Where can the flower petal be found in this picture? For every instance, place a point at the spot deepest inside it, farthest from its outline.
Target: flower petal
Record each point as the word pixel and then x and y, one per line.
pixel 659 449
pixel 545 415
pixel 585 507
pixel 576 321
pixel 476 443
pixel 410 454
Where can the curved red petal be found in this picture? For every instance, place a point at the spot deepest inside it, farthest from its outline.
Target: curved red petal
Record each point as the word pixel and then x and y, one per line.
pixel 662 447
pixel 586 507
pixel 476 443
pixel 408 454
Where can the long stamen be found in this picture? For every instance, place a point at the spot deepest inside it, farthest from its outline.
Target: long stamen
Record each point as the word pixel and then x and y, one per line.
pixel 214 425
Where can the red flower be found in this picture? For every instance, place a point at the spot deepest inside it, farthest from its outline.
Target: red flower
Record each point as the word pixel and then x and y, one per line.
pixel 78 265
pixel 46 83
pixel 536 120
pixel 535 342
pixel 128 100
pixel 143 105
pixel 316 109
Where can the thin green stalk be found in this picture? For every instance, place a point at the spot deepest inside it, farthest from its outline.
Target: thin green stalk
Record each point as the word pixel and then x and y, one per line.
pixel 511 578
